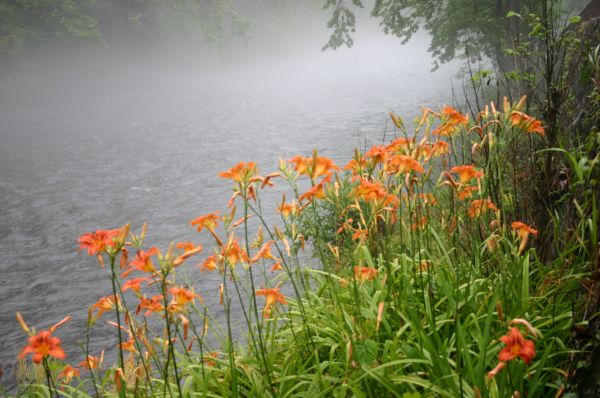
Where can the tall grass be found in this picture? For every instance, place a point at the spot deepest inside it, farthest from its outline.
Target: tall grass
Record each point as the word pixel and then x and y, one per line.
pixel 425 277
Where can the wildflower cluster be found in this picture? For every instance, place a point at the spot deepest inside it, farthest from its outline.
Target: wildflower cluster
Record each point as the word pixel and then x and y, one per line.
pixel 414 245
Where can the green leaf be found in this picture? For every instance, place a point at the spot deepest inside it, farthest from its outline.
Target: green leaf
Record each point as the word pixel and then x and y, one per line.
pixel 525 284
pixel 511 14
pixel 365 352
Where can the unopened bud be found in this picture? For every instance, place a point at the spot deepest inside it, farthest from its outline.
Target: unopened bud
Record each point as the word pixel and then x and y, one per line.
pixel 521 103
pixel 499 310
pixel 23 324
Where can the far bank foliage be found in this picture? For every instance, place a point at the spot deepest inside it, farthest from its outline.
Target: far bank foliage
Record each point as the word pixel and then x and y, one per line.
pixel 27 26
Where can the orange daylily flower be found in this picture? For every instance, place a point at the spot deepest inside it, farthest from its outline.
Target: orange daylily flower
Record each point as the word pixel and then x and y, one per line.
pixel 360 234
pixel 452 121
pixel 313 167
pixel 301 164
pixel 322 166
pixel 378 154
pixel 445 130
pixel 68 373
pixel 516 346
pixel 129 345
pixel 346 226
pixel 43 345
pixel 402 164
pixel 454 116
pixel 523 231
pixel 188 250
pixel 526 122
pixel 481 206
pixel 105 304
pixel 466 173
pixel 272 296
pixel 276 267
pixel 370 191
pixel 400 144
pixel 185 246
pixel 363 274
pixel 264 252
pixel 143 261
pixel 241 172
pixel 151 305
pixel 466 192
pixel 92 362
pixel 436 149
pixel 209 264
pixel 356 165
pixel 316 192
pixel 288 209
pixel 98 241
pixel 208 221
pixel 134 284
pixel 233 253
pixel 181 297
pixel 266 180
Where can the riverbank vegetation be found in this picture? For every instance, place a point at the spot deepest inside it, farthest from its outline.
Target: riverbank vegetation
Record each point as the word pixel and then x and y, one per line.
pixel 429 281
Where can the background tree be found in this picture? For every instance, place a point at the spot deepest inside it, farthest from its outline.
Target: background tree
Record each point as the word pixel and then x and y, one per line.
pixel 458 28
pixel 30 24
pixel 27 26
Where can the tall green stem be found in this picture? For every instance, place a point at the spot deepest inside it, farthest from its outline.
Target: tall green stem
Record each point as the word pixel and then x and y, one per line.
pixel 117 310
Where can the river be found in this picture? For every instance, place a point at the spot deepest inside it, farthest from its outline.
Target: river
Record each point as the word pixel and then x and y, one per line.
pixel 147 148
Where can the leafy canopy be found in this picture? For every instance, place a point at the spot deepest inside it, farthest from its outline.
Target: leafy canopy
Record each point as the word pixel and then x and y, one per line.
pixel 458 28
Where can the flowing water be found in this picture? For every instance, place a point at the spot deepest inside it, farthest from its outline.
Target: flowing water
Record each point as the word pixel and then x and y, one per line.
pixel 140 149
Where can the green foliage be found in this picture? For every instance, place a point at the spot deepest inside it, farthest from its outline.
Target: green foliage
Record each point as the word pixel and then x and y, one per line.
pixel 342 22
pixel 30 25
pixel 458 28
pixel 26 24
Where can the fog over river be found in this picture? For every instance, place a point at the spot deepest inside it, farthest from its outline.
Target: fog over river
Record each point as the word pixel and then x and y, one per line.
pixel 148 145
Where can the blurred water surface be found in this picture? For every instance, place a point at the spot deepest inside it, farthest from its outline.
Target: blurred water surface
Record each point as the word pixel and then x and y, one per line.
pixel 148 147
